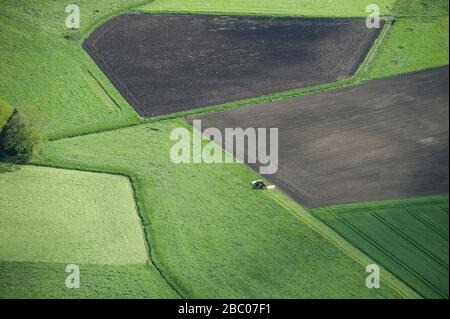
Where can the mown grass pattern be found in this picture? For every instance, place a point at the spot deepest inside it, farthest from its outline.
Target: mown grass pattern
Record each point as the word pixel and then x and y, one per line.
pixel 53 215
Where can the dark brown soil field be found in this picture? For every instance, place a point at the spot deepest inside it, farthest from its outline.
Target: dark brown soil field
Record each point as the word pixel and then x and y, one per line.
pixel 170 63
pixel 385 139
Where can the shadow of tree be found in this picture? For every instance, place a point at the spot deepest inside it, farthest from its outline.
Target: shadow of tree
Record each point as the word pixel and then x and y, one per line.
pixel 8 167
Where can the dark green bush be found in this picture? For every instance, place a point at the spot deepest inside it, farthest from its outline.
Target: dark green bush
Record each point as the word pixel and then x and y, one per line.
pixel 22 135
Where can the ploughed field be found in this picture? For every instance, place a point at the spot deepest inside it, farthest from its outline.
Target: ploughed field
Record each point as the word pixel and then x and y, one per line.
pixel 384 139
pixel 171 63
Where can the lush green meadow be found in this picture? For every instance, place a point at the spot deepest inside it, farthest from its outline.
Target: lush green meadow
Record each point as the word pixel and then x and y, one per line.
pixel 47 280
pixel 259 244
pixel 422 8
pixel 40 68
pixel 410 46
pixel 408 237
pixel 206 244
pixel 416 39
pixel 53 215
pixel 307 8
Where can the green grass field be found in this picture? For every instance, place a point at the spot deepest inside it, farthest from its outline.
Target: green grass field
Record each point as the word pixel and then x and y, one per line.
pixel 208 245
pixel 411 45
pixel 408 237
pixel 257 245
pixel 307 8
pixel 417 40
pixel 39 68
pixel 422 8
pixel 47 280
pixel 52 215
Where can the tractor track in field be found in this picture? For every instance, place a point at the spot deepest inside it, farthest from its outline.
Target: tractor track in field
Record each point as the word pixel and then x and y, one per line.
pixel 429 225
pixel 409 239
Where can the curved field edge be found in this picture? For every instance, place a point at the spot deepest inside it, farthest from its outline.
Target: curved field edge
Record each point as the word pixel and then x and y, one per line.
pixel 206 245
pixel 411 238
pixel 72 232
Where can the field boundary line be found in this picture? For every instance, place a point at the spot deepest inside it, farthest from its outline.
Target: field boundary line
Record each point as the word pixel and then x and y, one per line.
pixel 96 23
pixel 346 247
pixel 364 68
pixel 144 226
pixel 142 220
pixel 118 107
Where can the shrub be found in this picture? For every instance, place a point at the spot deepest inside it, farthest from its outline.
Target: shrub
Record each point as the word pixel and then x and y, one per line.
pixel 22 135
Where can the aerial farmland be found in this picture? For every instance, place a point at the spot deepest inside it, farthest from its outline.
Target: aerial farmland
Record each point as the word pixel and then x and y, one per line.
pixel 206 149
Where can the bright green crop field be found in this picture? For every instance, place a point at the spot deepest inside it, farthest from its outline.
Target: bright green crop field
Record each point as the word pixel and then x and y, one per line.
pixel 408 237
pixel 53 215
pixel 307 8
pixel 207 244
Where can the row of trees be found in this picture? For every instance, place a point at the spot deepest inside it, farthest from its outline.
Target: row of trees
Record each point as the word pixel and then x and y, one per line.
pixel 21 133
